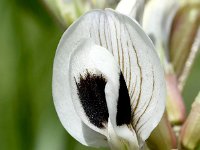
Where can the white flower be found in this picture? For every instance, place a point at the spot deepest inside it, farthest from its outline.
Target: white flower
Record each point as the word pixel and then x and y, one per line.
pixel 108 83
pixel 157 21
pixel 132 8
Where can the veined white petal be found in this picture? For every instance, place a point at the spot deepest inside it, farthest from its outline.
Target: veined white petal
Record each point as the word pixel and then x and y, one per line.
pixel 141 70
pixel 132 8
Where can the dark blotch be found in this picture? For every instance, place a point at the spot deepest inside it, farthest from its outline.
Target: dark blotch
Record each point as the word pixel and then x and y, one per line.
pixel 123 105
pixel 92 96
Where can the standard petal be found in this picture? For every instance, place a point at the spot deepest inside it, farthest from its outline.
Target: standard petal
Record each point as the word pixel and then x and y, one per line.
pixel 141 69
pixel 139 64
pixel 149 103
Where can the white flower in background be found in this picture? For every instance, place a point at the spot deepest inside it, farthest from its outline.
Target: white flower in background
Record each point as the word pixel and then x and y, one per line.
pixel 108 83
pixel 132 8
pixel 157 21
pixel 69 10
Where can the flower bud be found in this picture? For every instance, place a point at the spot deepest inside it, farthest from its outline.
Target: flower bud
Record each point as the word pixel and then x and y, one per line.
pixel 190 137
pixel 184 31
pixel 175 106
pixel 67 11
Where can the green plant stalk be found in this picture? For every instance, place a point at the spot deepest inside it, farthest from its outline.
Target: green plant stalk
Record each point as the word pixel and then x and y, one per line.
pixel 189 62
pixel 190 132
pixel 162 137
pixel 66 12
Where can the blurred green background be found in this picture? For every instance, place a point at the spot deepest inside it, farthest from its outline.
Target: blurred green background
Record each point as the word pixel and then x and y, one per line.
pixel 28 39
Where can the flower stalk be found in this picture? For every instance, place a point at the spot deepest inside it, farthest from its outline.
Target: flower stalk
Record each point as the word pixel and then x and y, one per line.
pixel 190 137
pixel 163 136
pixel 175 105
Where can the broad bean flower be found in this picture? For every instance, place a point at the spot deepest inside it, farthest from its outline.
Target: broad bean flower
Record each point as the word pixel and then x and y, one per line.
pixel 108 82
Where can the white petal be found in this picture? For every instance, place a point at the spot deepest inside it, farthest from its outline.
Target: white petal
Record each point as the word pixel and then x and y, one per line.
pixel 98 61
pixel 141 69
pixel 132 8
pixel 62 97
pixel 121 138
pixel 150 102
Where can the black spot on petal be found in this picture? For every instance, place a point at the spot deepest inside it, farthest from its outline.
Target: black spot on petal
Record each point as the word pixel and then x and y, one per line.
pixel 123 105
pixel 92 97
